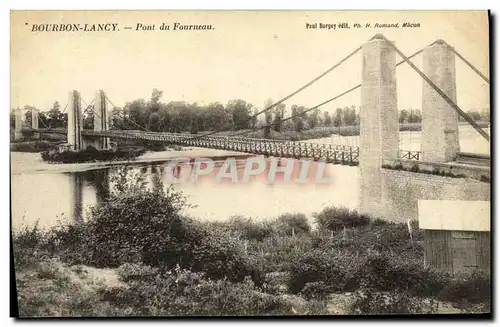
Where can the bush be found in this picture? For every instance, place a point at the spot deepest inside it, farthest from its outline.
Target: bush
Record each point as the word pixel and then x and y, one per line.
pixel 369 302
pixel 279 253
pixel 292 221
pixel 139 225
pixel 468 289
pixel 53 290
pixel 332 269
pixel 347 265
pixel 182 292
pixel 28 245
pixel 31 146
pixel 248 229
pixel 89 155
pixel 335 219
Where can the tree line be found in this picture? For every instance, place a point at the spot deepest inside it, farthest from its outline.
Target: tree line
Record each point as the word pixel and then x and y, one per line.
pixel 179 116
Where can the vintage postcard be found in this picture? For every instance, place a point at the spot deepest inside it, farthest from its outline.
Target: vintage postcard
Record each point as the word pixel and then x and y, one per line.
pixel 250 163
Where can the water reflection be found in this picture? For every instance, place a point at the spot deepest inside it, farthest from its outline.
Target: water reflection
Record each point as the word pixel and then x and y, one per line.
pixel 68 196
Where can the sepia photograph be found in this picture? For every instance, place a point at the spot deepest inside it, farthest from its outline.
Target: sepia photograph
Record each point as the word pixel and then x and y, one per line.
pixel 250 163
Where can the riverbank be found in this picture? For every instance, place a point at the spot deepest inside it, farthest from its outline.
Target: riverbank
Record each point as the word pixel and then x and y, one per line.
pixel 28 163
pixel 345 263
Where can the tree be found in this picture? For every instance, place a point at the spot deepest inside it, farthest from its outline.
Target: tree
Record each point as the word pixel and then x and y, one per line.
pixel 136 114
pixel 12 118
pixel 55 118
pixel 337 121
pixel 313 118
pixel 27 114
pixel 298 117
pixel 485 114
pixel 279 113
pixel 403 116
pixel 216 116
pixel 254 118
pixel 414 116
pixel 117 120
pixel 88 119
pixel 327 120
pixel 475 115
pixel 349 115
pixel 240 110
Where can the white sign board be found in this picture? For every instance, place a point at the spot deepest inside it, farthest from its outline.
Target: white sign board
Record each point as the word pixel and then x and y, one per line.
pixel 454 215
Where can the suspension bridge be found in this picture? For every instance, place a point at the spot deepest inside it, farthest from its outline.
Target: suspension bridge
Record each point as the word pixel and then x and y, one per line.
pixel 439 112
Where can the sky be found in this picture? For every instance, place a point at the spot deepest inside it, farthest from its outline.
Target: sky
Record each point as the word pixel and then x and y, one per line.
pixel 249 55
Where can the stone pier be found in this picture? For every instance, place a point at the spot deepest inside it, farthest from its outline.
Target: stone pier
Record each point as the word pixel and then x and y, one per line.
pixel 74 121
pixel 379 126
pixel 34 122
pixel 440 141
pixel 101 119
pixel 18 134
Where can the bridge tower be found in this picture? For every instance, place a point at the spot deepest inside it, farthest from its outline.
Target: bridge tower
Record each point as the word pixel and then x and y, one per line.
pixel 74 121
pixel 379 125
pixel 34 118
pixel 101 122
pixel 18 133
pixel 440 142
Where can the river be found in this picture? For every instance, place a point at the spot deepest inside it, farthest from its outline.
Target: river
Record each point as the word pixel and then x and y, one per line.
pixel 48 193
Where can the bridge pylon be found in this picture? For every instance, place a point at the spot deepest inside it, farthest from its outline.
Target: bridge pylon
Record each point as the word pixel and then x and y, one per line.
pixel 74 121
pixel 440 140
pixel 18 127
pixel 379 125
pixel 34 118
pixel 101 122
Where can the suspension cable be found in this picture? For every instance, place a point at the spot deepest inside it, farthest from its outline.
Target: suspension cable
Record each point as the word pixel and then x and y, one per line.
pixel 468 63
pixel 123 116
pixel 305 111
pixel 293 93
pixel 323 103
pixel 440 92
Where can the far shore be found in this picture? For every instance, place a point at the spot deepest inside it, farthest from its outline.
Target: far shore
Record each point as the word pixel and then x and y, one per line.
pixel 17 167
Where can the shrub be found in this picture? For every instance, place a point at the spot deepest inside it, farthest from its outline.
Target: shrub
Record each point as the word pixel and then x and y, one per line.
pixel 28 245
pixel 470 288
pixel 89 155
pixel 369 302
pixel 346 265
pixel 139 225
pixel 296 221
pixel 279 253
pixel 182 292
pixel 53 290
pixel 31 146
pixel 332 268
pixel 248 229
pixel 335 219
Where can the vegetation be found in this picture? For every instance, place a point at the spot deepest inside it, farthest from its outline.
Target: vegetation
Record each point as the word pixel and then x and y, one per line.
pixel 136 254
pixel 31 146
pixel 281 122
pixel 435 171
pixel 89 155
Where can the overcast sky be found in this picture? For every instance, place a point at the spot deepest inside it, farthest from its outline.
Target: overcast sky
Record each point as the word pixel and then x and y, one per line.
pixel 249 55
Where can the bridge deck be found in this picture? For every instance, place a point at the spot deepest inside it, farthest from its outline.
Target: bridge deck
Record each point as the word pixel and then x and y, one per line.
pixel 336 154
